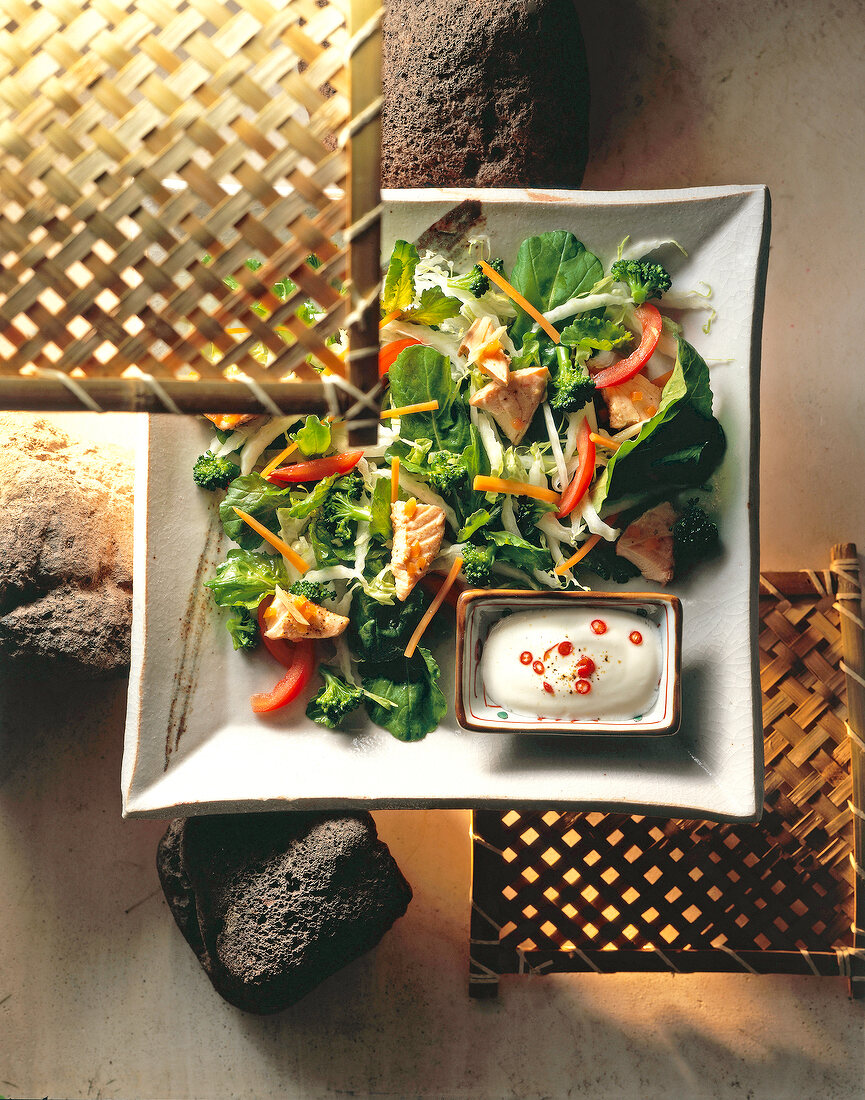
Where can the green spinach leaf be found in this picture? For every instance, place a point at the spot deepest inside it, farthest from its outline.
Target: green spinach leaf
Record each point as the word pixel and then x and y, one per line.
pixel 422 374
pixel 681 446
pixel 412 684
pixel 550 270
pixel 260 499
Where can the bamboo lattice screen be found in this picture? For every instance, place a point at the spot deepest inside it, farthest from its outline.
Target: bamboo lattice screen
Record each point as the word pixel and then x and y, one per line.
pixel 558 891
pixel 147 152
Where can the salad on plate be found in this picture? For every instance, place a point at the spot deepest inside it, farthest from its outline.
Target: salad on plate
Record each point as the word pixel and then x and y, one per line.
pixel 546 427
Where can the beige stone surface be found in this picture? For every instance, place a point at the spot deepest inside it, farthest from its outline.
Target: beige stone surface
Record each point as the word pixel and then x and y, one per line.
pixel 100 996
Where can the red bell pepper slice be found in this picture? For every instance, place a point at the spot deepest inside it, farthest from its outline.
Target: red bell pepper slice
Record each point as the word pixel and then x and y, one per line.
pixel 575 492
pixel 317 469
pixel 387 355
pixel 279 648
pixel 651 323
pixel 297 676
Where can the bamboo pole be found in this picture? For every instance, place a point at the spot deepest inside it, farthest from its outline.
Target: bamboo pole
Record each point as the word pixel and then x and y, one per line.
pixel 135 395
pixel 364 188
pixel 845 566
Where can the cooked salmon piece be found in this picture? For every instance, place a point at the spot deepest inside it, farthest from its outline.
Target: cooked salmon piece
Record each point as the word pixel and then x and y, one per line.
pixel 295 618
pixel 648 543
pixel 631 402
pixel 227 422
pixel 513 406
pixel 482 347
pixel 418 530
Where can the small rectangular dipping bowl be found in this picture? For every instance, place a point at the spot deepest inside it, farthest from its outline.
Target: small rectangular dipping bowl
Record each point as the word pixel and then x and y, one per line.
pixel 478 610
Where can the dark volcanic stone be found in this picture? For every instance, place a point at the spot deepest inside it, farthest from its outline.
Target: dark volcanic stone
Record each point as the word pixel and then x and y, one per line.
pixel 272 904
pixel 493 93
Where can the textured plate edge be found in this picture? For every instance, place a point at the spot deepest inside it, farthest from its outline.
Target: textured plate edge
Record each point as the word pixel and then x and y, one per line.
pixel 132 728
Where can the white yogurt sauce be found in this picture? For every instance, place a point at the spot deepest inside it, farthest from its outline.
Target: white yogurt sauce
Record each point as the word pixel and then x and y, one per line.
pixel 576 663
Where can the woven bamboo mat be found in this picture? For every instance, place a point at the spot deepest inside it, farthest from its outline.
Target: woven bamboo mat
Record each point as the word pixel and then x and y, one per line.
pixel 167 170
pixel 560 891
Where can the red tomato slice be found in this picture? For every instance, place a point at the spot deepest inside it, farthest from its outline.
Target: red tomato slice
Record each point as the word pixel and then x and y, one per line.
pixel 651 323
pixel 293 682
pixel 575 492
pixel 317 469
pixel 387 355
pixel 279 648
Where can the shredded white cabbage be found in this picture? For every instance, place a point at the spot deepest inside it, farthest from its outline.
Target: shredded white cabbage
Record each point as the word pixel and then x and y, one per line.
pixel 490 441
pixel 582 305
pixel 555 444
pixel 262 439
pixel 361 545
pixel 594 522
pixel 234 442
pixel 424 494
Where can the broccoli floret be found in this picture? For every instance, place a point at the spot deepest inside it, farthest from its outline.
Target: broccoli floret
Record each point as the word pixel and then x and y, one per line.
pixel 695 536
pixel 572 387
pixel 475 281
pixel 243 628
pixel 212 472
pixel 315 591
pixel 477 563
pixel 645 280
pixel 337 699
pixel 605 563
pixel 446 472
pixel 333 526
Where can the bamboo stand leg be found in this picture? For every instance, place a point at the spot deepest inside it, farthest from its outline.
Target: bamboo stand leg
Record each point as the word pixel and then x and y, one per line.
pixel 845 566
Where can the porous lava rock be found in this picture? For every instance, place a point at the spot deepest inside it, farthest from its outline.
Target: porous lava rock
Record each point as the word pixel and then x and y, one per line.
pixel 491 93
pixel 274 903
pixel 65 551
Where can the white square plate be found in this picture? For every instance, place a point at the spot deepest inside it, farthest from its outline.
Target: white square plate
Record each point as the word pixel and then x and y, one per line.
pixel 186 681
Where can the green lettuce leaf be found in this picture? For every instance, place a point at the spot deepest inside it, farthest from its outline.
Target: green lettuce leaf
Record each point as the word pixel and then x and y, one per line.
pixel 398 290
pixel 550 270
pixel 246 577
pixel 434 307
pixel 313 438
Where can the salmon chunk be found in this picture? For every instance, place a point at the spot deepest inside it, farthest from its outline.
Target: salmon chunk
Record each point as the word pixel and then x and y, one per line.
pixel 295 618
pixel 418 530
pixel 631 402
pixel 513 406
pixel 228 422
pixel 483 348
pixel 648 543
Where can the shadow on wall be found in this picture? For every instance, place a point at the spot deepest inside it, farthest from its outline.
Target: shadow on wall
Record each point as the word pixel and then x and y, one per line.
pixel 644 101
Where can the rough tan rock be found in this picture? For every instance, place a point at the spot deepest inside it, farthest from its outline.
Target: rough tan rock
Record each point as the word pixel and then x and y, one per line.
pixel 65 551
pixel 487 94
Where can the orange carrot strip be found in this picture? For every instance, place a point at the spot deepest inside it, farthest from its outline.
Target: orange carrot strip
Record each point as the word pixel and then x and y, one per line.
pixel 394 481
pixel 420 407
pixel 605 441
pixel 388 317
pixel 662 379
pixel 275 541
pixel 564 566
pixel 438 600
pixel 515 296
pixel 278 461
pixel 518 488
pixel 290 449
